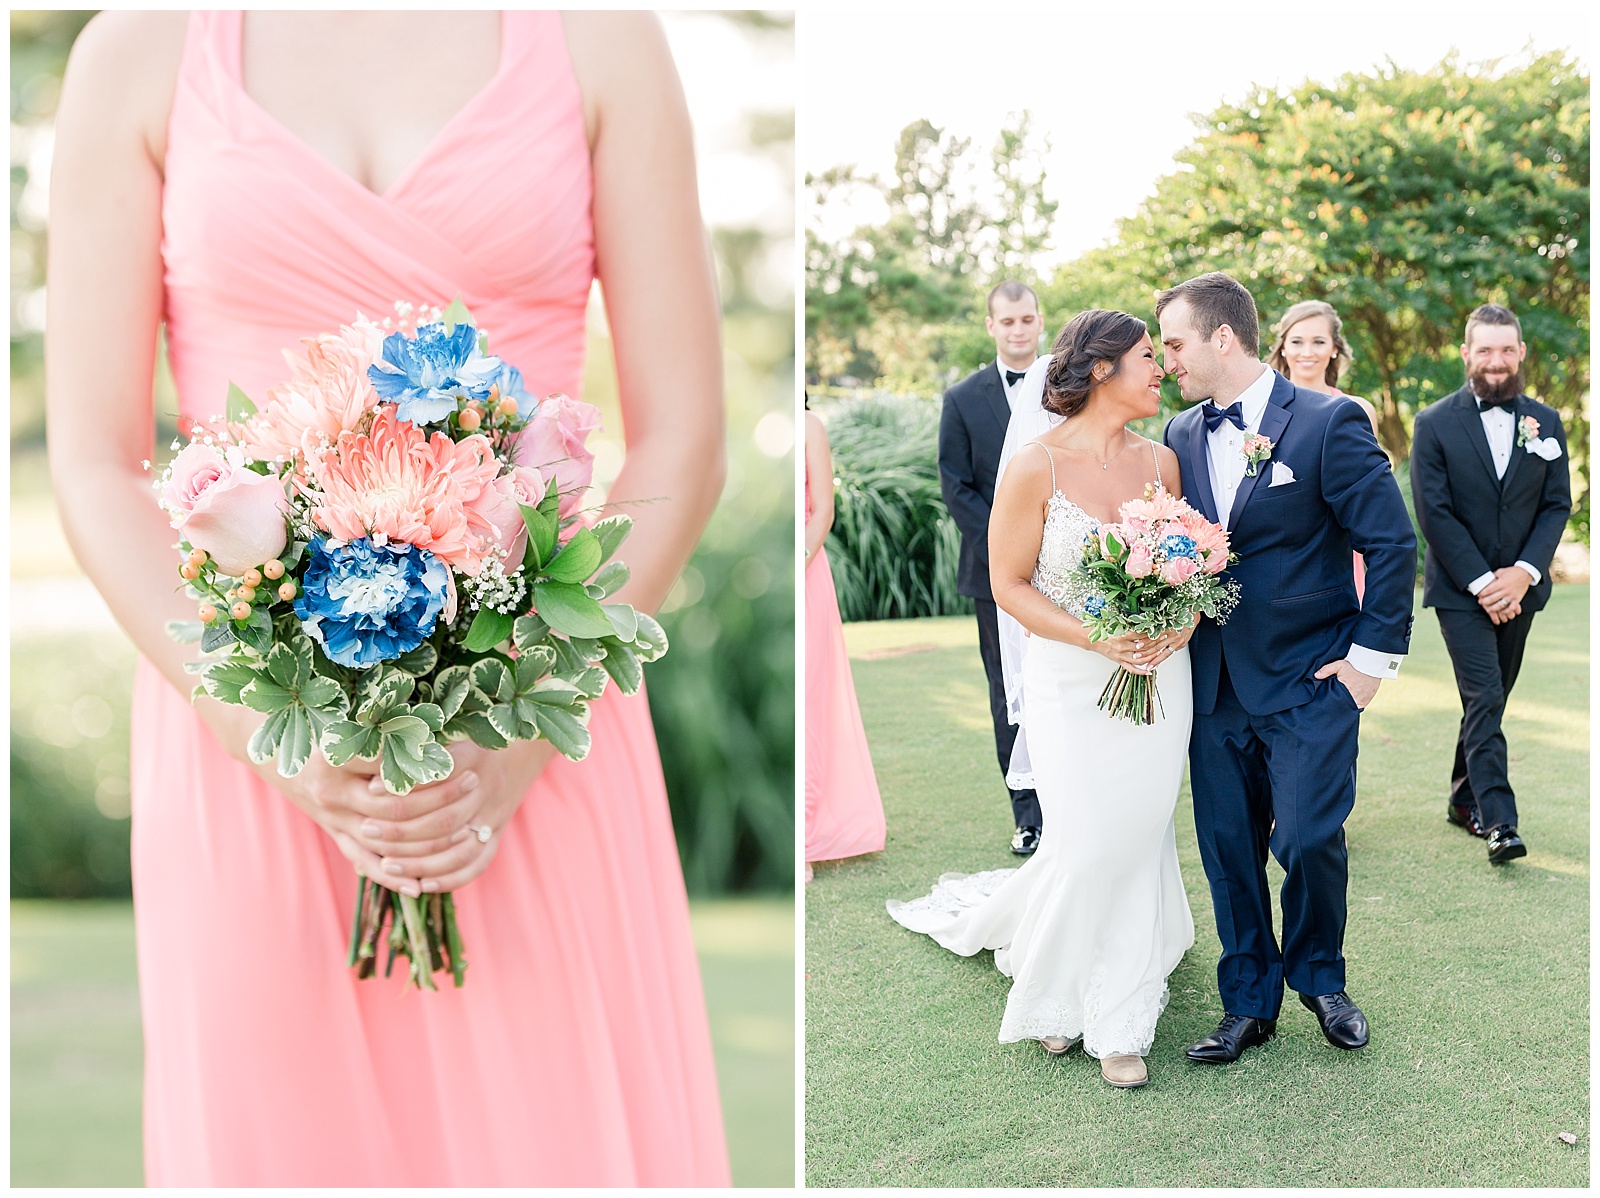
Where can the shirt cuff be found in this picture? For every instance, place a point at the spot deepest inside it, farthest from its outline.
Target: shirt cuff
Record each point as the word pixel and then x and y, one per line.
pixel 1478 583
pixel 1374 664
pixel 1533 571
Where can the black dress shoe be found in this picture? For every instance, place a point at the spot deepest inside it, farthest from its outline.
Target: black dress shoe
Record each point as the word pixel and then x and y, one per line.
pixel 1464 817
pixel 1342 1021
pixel 1505 845
pixel 1233 1035
pixel 1025 841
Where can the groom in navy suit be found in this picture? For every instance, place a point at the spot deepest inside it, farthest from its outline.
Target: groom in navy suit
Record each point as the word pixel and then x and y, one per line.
pixel 1279 688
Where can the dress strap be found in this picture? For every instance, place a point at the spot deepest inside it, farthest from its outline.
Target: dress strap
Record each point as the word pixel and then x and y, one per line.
pixel 1156 458
pixel 1052 458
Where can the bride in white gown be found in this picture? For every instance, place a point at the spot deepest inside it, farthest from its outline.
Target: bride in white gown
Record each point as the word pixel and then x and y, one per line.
pixel 1092 925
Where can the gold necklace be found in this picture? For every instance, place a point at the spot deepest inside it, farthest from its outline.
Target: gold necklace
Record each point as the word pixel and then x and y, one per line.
pixel 1106 463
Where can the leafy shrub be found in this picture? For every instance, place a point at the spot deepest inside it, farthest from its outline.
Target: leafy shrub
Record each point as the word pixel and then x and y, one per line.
pixel 894 549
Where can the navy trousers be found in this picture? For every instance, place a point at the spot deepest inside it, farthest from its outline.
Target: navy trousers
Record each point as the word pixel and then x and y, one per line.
pixel 1286 783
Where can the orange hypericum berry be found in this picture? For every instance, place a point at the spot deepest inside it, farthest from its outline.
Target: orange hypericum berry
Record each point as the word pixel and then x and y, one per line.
pixel 197 557
pixel 273 569
pixel 189 571
pixel 247 594
pixel 240 611
pixel 252 578
pixel 207 613
pixel 508 407
pixel 470 420
pixel 288 590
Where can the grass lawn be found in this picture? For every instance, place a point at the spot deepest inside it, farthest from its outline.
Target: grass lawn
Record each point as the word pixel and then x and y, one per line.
pixel 76 1056
pixel 1475 978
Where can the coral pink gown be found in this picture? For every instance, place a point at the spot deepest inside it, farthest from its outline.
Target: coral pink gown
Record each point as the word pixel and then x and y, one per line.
pixel 578 1053
pixel 844 815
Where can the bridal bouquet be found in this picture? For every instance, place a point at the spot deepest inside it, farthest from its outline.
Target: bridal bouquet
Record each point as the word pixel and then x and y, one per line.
pixel 1150 572
pixel 390 556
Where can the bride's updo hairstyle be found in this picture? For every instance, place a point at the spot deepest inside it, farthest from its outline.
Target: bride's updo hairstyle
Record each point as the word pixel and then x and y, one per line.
pixel 1088 339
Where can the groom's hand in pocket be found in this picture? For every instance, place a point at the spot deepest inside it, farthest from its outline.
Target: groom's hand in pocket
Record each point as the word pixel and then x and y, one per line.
pixel 1362 687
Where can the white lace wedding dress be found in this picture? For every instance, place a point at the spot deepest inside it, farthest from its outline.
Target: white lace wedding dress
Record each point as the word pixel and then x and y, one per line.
pixel 1092 925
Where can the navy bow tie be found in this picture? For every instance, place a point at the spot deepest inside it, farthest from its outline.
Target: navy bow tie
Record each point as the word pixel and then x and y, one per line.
pixel 1485 405
pixel 1232 414
pixel 1012 376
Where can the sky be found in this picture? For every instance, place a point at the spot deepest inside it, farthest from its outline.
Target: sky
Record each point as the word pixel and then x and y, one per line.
pixel 1114 92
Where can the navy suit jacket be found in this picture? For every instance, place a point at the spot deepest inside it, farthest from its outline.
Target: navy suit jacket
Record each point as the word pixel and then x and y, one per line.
pixel 972 432
pixel 1298 609
pixel 1475 522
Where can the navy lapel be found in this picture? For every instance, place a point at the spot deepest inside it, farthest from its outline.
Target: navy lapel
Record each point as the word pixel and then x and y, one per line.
pixel 1523 407
pixel 1472 425
pixel 1273 421
pixel 995 393
pixel 1198 492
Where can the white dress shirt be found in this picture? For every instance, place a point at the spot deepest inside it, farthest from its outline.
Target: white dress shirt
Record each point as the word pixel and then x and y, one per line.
pixel 1225 453
pixel 1010 388
pixel 1500 427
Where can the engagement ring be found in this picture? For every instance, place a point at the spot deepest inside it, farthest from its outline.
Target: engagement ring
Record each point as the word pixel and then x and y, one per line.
pixel 481 831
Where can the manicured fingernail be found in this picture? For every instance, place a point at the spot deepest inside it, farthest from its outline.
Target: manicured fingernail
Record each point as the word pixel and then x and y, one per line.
pixel 461 835
pixel 413 890
pixel 469 781
pixel 393 867
pixel 430 885
pixel 375 784
pixel 371 830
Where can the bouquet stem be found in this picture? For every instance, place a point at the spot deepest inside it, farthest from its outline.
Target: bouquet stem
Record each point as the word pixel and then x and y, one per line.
pixel 422 929
pixel 1132 697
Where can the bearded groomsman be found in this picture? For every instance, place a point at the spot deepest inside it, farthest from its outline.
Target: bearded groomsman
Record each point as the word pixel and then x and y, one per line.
pixel 972 432
pixel 1489 474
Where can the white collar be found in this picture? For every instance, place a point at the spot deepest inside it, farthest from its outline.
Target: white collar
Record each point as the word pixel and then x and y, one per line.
pixel 1252 400
pixel 1002 368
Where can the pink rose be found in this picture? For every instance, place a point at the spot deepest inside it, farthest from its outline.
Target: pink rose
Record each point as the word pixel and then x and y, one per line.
pixel 1178 570
pixel 1140 561
pixel 238 518
pixel 196 468
pixel 1217 561
pixel 528 485
pixel 553 443
pixel 494 515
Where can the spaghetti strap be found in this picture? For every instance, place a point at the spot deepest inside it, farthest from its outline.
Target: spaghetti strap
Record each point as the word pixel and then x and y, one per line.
pixel 1156 458
pixel 1051 456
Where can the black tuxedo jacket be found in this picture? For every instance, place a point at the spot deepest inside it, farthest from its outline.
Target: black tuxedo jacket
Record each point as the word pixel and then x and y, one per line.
pixel 972 431
pixel 1473 521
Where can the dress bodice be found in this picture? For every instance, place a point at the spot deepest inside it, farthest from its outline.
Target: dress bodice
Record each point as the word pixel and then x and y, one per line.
pixel 1061 548
pixel 265 242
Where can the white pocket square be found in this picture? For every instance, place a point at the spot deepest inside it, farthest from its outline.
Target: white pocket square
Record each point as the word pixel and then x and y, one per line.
pixel 1547 448
pixel 1280 474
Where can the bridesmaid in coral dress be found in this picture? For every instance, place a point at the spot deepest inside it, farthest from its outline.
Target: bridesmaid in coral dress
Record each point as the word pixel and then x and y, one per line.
pixel 844 815
pixel 253 179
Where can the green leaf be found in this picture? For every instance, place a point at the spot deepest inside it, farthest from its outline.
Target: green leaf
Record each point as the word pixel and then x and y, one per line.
pixel 419 662
pixel 624 620
pixel 623 665
pixel 450 690
pixel 437 761
pixel 294 750
pixel 186 632
pixel 504 719
pixel 256 631
pixel 534 665
pixel 489 628
pixel 224 680
pixel 565 732
pixel 267 696
pixel 455 313
pixel 240 408
pixel 579 558
pixel 651 640
pixel 491 677
pixel 612 578
pixel 556 692
pixel 396 768
pixel 289 663
pixel 216 636
pixel 407 729
pixel 477 726
pixel 612 531
pixel 264 741
pixel 529 632
pixel 291 556
pixel 592 682
pixel 383 697
pixel 346 740
pixel 430 714
pixel 323 694
pixel 541 536
pixel 566 608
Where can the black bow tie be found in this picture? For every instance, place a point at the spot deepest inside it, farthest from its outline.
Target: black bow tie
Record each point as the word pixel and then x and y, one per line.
pixel 1485 405
pixel 1232 414
pixel 1012 377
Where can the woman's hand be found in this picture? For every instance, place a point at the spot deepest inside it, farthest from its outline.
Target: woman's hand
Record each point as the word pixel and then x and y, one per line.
pixel 1141 654
pixel 429 846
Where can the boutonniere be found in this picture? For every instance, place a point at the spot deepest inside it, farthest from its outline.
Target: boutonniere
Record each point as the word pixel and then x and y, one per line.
pixel 1527 430
pixel 1528 437
pixel 1256 449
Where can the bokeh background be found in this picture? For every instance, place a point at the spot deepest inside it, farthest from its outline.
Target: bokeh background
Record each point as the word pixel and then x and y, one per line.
pixel 723 699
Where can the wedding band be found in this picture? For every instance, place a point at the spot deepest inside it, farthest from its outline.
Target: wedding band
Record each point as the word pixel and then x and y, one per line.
pixel 481 831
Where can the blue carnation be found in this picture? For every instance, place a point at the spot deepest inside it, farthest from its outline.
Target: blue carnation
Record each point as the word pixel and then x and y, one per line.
pixel 1178 544
pixel 432 374
pixel 1094 606
pixel 366 603
pixel 510 383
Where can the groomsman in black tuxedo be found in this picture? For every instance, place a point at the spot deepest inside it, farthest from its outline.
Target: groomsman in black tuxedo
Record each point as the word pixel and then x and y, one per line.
pixel 972 432
pixel 1489 474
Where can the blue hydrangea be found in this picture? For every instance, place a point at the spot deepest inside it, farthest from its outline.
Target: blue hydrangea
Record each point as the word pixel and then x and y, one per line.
pixel 1094 606
pixel 1178 544
pixel 366 603
pixel 432 374
pixel 510 383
